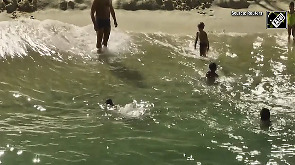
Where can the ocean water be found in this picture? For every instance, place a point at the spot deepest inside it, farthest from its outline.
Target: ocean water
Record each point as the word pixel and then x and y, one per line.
pixel 53 87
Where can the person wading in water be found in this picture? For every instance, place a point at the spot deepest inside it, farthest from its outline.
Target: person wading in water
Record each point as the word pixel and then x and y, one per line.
pixel 101 21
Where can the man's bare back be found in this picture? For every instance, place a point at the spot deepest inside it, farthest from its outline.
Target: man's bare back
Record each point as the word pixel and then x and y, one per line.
pixel 102 8
pixel 203 37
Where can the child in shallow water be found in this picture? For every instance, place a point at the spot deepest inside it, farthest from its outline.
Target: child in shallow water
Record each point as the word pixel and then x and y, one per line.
pixel 211 74
pixel 204 42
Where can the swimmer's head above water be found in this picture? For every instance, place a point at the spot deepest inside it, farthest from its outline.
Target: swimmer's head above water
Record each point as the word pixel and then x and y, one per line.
pixel 109 102
pixel 201 26
pixel 211 75
pixel 265 114
pixel 213 67
pixel 265 122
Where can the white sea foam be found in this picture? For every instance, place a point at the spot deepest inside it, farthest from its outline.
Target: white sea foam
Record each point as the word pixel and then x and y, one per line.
pixel 130 110
pixel 190 51
pixel 135 109
pixel 49 36
pixel 232 34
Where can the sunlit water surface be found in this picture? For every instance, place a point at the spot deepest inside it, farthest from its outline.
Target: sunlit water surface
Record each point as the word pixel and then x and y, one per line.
pixel 53 87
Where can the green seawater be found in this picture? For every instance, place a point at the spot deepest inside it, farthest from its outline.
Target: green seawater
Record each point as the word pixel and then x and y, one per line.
pixel 52 107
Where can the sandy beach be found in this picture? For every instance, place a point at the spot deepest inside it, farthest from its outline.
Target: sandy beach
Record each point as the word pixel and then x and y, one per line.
pixel 216 19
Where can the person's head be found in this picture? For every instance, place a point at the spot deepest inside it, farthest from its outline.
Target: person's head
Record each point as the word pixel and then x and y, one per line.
pixel 264 114
pixel 201 26
pixel 213 67
pixel 291 6
pixel 110 102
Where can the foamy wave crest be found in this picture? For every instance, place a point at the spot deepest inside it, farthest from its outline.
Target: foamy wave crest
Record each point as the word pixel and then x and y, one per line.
pixel 49 36
pixel 181 45
pixel 135 109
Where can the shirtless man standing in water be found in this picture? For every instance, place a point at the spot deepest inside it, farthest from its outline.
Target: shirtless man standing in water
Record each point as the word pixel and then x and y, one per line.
pixel 101 21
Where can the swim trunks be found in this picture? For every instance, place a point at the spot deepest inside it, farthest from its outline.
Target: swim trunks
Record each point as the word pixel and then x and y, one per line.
pixel 203 48
pixel 291 19
pixel 103 23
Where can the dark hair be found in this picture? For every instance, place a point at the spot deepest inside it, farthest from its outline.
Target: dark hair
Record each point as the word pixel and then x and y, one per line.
pixel 201 25
pixel 110 102
pixel 213 66
pixel 265 114
pixel 291 3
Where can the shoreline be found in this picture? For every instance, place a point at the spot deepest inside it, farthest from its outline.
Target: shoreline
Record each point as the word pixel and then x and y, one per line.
pixel 216 19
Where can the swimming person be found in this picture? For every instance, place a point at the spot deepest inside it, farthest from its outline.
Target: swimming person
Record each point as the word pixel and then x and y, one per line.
pixel 109 102
pixel 265 118
pixel 211 75
pixel 101 21
pixel 291 21
pixel 204 42
pixel 110 105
